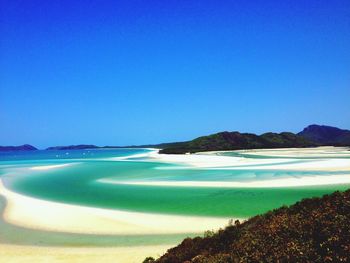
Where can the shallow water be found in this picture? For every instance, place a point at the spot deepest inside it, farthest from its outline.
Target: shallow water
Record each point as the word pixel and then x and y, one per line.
pixel 78 184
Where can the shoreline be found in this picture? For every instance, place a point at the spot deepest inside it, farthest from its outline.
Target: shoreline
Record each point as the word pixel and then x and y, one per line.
pixel 52 216
pixel 207 161
pixel 20 254
pixel 317 180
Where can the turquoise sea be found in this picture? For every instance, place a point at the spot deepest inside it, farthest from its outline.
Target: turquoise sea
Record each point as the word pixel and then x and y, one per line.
pixel 78 183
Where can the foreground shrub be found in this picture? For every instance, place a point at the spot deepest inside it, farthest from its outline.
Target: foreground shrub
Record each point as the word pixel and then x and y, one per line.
pixel 313 230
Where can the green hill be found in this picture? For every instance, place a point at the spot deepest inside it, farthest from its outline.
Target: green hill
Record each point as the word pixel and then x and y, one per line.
pixel 235 141
pixel 312 230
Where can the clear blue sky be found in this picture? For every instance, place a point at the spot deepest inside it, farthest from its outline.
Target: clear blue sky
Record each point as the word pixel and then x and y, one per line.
pixel 134 72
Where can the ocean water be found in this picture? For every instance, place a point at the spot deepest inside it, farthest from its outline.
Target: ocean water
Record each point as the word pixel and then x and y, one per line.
pixel 80 183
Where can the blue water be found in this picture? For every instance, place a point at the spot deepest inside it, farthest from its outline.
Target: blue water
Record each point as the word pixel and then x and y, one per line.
pixel 79 184
pixel 68 154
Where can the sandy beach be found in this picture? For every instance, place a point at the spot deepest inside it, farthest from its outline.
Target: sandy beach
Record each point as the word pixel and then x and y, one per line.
pixel 39 214
pixel 315 180
pixel 52 216
pixel 210 160
pixel 24 254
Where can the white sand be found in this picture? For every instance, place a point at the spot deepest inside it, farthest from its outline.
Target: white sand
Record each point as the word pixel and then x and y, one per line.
pixel 324 151
pixel 33 254
pixel 49 167
pixel 211 160
pixel 309 165
pixel 208 161
pixel 52 216
pixel 132 156
pixel 282 182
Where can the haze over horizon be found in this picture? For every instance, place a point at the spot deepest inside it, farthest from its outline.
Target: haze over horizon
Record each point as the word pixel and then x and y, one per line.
pixel 130 72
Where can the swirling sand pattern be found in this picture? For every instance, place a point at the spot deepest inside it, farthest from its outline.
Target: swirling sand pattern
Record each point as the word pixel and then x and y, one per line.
pixel 138 198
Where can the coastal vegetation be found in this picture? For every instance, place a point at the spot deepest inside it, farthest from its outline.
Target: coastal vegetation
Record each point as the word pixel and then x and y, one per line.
pixel 311 136
pixel 312 230
pixel 225 141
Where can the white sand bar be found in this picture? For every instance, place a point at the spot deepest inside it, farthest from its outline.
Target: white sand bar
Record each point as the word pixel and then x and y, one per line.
pixel 329 159
pixel 39 214
pixel 324 151
pixel 49 167
pixel 35 254
pixel 316 180
pixel 212 160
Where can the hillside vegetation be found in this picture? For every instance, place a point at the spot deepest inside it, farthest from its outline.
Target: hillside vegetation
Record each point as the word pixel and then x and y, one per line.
pixel 313 135
pixel 313 230
pixel 235 141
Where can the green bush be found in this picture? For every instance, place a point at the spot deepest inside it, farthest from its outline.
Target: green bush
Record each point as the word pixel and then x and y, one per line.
pixel 313 230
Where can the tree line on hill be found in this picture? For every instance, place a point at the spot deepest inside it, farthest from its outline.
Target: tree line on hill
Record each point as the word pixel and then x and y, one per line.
pixel 311 136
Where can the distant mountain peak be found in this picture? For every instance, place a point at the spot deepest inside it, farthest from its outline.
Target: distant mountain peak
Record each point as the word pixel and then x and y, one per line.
pixel 317 126
pixel 326 135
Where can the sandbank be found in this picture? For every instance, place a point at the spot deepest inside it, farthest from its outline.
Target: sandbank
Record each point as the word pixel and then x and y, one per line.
pixel 212 160
pixel 21 254
pixel 316 180
pixel 40 214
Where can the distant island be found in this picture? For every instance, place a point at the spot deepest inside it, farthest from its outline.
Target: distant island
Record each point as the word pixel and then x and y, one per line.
pixel 24 147
pixel 313 230
pixel 74 147
pixel 88 146
pixel 312 136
